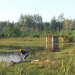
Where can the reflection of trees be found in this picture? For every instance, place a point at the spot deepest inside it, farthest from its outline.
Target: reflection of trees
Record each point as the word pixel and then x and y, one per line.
pixel 59 46
pixel 30 49
pixel 9 53
pixel 73 48
pixel 34 49
pixel 64 45
pixel 9 47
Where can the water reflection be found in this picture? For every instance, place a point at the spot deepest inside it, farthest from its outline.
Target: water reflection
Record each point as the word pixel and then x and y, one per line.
pixel 9 47
pixel 15 56
pixel 57 47
pixel 52 47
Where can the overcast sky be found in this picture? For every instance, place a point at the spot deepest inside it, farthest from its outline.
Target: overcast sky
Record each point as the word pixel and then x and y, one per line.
pixel 12 9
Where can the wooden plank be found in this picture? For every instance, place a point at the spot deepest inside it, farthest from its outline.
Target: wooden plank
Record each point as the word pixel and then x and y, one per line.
pixel 14 63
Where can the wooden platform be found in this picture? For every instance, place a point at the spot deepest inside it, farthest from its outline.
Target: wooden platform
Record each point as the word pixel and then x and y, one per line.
pixel 14 63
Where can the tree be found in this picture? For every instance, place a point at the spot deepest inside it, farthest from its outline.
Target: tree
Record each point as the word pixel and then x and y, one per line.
pixel 46 23
pixel 21 20
pixel 61 20
pixel 0 24
pixel 73 24
pixel 7 23
pixel 57 31
pixel 67 31
pixel 32 31
pixel 28 23
pixel 37 31
pixel 15 30
pixel 54 24
pixel 67 23
pixel 10 27
pixel 49 29
pixel 37 18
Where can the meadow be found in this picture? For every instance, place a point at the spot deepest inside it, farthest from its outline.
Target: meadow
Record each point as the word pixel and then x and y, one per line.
pixel 50 63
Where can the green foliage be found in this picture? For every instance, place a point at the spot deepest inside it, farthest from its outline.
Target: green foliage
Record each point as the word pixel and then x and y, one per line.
pixel 34 35
pixel 70 38
pixel 9 35
pixel 15 30
pixel 64 38
pixel 23 35
pixel 14 35
pixel 6 35
pixel 73 33
pixel 60 34
pixel 2 34
pixel 33 26
pixel 67 23
pixel 59 64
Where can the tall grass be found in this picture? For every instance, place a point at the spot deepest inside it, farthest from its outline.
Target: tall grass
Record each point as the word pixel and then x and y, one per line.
pixel 59 64
pixel 67 65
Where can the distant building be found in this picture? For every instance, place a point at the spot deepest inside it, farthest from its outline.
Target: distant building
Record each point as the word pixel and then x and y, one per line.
pixel 51 39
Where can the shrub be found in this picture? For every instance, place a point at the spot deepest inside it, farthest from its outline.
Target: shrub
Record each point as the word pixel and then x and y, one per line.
pixel 6 34
pixel 14 35
pixel 9 35
pixel 2 34
pixel 23 35
pixel 34 35
pixel 64 38
pixel 70 38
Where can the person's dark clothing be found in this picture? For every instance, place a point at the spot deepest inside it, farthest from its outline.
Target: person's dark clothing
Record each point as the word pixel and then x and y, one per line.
pixel 23 52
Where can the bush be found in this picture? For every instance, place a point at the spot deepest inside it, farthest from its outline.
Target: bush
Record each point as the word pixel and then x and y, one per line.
pixel 14 35
pixel 34 35
pixel 9 35
pixel 70 38
pixel 23 35
pixel 61 34
pixel 2 34
pixel 6 34
pixel 64 38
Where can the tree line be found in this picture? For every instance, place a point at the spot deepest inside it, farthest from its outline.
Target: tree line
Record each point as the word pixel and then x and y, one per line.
pixel 33 26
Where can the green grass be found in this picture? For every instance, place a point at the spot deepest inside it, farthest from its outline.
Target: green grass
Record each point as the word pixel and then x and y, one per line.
pixel 60 64
pixel 64 65
pixel 23 39
pixel 23 43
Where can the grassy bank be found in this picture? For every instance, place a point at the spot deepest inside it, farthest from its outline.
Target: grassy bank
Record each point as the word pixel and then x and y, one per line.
pixel 27 38
pixel 23 43
pixel 49 64
pixel 22 39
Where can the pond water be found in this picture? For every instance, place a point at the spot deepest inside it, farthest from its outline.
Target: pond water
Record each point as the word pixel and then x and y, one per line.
pixel 10 56
pixel 15 55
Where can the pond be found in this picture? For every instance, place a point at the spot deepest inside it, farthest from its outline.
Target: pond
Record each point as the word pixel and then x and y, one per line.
pixel 11 52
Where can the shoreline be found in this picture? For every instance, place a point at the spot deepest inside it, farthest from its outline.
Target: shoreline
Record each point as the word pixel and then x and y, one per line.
pixel 22 39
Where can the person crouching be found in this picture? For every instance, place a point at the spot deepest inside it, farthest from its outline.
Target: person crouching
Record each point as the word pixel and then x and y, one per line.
pixel 24 54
